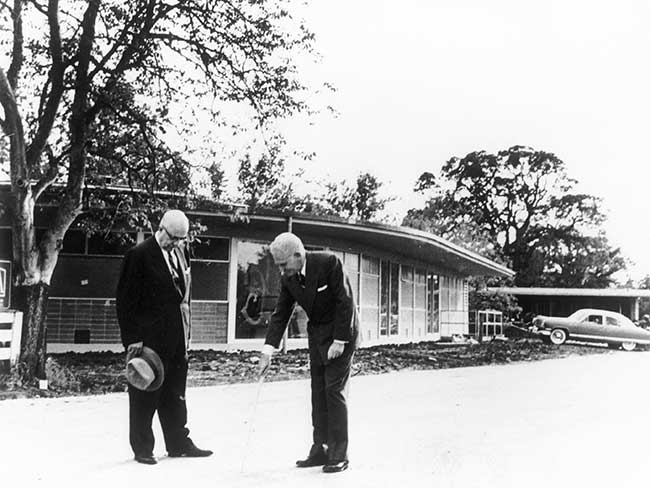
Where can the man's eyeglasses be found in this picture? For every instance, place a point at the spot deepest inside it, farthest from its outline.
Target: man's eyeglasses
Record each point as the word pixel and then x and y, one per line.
pixel 173 237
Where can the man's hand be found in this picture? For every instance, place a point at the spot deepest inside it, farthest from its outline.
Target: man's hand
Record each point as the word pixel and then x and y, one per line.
pixel 134 350
pixel 265 363
pixel 335 350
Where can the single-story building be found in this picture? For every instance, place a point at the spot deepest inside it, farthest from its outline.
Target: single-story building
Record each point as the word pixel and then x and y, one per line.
pixel 562 302
pixel 409 285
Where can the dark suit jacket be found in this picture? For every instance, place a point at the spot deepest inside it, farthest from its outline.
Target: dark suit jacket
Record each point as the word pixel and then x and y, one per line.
pixel 327 300
pixel 148 303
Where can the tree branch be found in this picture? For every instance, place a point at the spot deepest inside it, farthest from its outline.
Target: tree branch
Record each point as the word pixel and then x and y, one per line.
pixel 17 49
pixel 47 118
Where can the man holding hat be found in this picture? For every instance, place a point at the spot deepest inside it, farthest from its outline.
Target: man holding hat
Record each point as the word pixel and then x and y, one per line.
pixel 318 283
pixel 153 311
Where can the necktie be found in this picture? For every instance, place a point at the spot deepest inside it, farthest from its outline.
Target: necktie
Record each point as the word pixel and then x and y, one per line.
pixel 177 274
pixel 301 279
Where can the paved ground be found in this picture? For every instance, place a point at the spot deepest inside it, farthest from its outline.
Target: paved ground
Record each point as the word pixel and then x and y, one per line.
pixel 579 421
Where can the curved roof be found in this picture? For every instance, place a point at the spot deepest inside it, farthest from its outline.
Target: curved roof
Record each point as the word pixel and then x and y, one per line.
pixel 411 243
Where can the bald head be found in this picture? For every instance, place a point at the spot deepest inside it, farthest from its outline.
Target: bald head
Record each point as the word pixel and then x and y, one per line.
pixel 173 228
pixel 288 253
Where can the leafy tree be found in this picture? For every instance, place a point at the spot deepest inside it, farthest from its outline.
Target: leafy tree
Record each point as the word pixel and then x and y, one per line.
pixel 521 206
pixel 129 61
pixel 644 303
pixel 360 200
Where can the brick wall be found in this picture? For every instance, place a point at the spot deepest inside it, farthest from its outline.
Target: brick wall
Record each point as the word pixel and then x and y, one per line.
pixel 94 321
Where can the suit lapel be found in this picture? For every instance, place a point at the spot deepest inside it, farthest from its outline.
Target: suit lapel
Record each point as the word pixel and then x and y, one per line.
pixel 311 283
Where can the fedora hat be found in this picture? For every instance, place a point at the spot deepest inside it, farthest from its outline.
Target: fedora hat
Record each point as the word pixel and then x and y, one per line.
pixel 145 372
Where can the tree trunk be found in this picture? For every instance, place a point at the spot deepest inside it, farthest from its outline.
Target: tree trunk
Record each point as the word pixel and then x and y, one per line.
pixel 32 300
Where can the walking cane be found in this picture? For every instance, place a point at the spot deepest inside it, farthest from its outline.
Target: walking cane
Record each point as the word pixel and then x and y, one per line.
pixel 251 420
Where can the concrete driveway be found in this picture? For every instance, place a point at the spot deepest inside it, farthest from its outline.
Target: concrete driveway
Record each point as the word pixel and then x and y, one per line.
pixel 579 421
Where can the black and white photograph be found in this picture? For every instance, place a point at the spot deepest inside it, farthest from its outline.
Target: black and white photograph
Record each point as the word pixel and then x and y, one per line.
pixel 309 243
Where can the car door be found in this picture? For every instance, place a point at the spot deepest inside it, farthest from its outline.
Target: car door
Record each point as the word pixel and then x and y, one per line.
pixel 591 326
pixel 614 328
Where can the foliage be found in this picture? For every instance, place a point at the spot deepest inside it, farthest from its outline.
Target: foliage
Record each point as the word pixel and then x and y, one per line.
pixel 484 299
pixel 90 91
pixel 644 303
pixel 519 206
pixel 360 201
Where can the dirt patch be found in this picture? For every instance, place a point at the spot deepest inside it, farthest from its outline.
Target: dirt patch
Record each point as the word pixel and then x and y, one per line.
pixel 97 373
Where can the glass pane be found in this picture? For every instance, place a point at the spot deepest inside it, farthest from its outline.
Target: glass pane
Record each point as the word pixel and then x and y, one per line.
pixel 258 286
pixel 420 322
pixel 407 294
pixel 406 319
pixel 385 286
pixel 394 299
pixel 420 277
pixel 370 265
pixel 351 261
pixel 113 244
pixel 370 319
pixel 420 296
pixel 209 280
pixel 370 290
pixel 407 273
pixel 212 248
pixel 354 283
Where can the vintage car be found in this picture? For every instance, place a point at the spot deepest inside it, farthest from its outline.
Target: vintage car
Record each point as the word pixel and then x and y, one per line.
pixel 591 325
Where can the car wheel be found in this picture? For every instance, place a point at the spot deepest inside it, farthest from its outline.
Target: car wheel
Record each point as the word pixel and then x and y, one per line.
pixel 558 336
pixel 629 346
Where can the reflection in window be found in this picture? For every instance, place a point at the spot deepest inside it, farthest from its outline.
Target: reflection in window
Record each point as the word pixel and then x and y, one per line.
pixel 210 248
pixel 611 321
pixel 384 294
pixel 394 299
pixel 111 244
pixel 370 297
pixel 433 304
pixel 258 287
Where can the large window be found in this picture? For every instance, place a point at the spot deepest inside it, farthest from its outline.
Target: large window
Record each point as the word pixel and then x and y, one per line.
pixel 209 269
pixel 258 287
pixel 406 301
pixel 369 301
pixel 433 304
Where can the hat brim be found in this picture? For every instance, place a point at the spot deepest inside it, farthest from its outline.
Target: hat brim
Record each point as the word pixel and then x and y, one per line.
pixel 156 364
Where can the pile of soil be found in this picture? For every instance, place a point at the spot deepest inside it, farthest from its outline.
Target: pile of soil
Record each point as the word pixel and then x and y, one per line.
pixel 103 372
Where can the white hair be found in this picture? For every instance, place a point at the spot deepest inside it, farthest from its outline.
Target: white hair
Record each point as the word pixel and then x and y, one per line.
pixel 286 244
pixel 175 220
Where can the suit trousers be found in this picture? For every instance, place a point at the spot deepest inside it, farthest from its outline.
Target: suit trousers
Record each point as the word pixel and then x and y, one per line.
pixel 329 410
pixel 169 401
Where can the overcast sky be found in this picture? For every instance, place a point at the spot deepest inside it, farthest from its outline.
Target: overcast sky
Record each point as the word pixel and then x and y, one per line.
pixel 420 81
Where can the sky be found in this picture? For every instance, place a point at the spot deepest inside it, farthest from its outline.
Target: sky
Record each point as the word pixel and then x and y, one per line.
pixel 419 82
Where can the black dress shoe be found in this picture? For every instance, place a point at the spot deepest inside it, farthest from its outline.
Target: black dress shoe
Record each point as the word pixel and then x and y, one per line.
pixel 190 451
pixel 336 467
pixel 145 459
pixel 317 457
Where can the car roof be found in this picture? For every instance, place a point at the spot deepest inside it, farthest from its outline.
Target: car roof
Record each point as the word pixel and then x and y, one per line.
pixel 597 311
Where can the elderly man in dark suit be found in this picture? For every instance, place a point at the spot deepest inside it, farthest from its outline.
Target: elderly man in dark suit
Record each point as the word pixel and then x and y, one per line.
pixel 153 310
pixel 318 283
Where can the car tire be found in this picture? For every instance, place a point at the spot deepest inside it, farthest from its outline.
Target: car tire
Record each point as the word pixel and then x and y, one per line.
pixel 558 337
pixel 628 346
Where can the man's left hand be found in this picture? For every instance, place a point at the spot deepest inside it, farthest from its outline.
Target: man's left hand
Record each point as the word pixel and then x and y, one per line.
pixel 335 350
